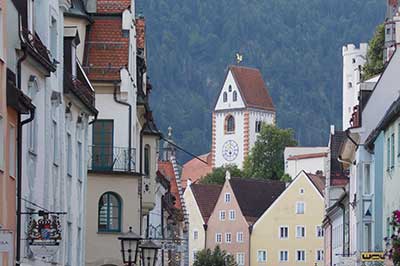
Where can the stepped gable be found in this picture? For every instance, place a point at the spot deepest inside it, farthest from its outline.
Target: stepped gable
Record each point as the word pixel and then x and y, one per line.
pixel 255 196
pixel 167 169
pixel 252 88
pixel 206 196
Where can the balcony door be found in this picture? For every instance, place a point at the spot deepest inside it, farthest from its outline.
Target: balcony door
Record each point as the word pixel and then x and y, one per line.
pixel 102 150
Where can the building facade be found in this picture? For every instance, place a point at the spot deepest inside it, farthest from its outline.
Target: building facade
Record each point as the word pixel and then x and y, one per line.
pixel 290 231
pixel 308 159
pixel 242 106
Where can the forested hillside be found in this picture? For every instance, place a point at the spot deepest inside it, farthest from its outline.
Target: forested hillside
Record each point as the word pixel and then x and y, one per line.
pixel 296 44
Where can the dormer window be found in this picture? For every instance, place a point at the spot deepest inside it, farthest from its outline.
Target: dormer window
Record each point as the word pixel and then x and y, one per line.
pixel 225 97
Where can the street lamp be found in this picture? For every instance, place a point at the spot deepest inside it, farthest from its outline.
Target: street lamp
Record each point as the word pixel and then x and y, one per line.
pixel 149 253
pixel 129 243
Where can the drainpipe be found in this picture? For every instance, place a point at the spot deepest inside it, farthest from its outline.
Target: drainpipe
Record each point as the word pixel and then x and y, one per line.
pixel 140 180
pixel 94 119
pixel 250 231
pixel 129 124
pixel 162 228
pixel 330 240
pixel 205 226
pixel 344 227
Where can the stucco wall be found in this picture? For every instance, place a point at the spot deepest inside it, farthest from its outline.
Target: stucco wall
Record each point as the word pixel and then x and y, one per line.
pixel 266 236
pixel 195 224
pixel 238 225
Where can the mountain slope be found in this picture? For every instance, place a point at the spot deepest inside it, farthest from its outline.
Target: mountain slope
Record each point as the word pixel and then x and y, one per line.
pixel 295 44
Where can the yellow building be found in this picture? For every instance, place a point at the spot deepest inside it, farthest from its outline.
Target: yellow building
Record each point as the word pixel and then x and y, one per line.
pixel 290 233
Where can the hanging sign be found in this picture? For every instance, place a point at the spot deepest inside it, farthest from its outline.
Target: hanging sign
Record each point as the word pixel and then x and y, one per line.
pixel 7 245
pixel 372 256
pixel 44 234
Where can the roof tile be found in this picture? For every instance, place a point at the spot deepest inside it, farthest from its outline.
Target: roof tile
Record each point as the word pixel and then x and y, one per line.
pixel 206 197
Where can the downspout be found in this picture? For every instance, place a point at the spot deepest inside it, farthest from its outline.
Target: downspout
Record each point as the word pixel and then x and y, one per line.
pixel 94 119
pixel 330 240
pixel 140 180
pixel 205 226
pixel 162 228
pixel 19 149
pixel 250 231
pixel 344 228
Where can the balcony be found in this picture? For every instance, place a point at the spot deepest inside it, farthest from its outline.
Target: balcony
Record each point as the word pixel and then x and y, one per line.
pixel 105 158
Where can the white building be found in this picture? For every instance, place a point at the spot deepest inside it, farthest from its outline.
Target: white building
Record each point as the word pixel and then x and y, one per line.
pixel 308 159
pixel 242 106
pixel 353 61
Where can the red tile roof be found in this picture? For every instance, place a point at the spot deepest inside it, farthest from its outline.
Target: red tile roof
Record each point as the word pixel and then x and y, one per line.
pixel 318 181
pixel 307 156
pixel 140 32
pixel 206 197
pixel 112 6
pixel 195 169
pixel 107 49
pixel 252 87
pixel 167 169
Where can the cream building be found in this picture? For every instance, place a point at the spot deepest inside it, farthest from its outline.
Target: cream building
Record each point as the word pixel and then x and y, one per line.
pixel 290 230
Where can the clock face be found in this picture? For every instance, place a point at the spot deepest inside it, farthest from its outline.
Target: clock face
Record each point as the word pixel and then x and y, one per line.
pixel 230 150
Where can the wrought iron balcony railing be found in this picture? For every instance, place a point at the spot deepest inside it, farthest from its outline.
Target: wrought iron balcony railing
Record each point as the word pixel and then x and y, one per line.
pixel 105 158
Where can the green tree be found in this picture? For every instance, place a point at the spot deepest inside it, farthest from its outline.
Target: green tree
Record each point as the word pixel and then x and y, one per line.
pixel 218 257
pixel 266 157
pixel 217 176
pixel 374 65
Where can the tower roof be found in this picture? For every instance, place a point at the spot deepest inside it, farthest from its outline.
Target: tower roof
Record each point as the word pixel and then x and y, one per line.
pixel 252 87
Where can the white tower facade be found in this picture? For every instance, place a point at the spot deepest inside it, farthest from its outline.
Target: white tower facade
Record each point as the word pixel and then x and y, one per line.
pixel 242 106
pixel 353 60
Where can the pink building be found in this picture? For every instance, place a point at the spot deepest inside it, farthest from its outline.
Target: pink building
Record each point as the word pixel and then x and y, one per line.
pixel 240 203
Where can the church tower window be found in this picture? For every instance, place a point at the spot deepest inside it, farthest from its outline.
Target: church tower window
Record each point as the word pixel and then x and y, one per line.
pixel 234 96
pixel 229 124
pixel 225 97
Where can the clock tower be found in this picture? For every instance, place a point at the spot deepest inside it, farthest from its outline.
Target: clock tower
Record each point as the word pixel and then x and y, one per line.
pixel 242 106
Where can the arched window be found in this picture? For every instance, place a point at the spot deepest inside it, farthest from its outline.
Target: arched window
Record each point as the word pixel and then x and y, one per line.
pixel 147 160
pixel 234 96
pixel 225 97
pixel 229 124
pixel 109 216
pixel 230 88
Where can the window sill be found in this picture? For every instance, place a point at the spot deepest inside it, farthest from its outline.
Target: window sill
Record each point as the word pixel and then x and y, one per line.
pixel 109 232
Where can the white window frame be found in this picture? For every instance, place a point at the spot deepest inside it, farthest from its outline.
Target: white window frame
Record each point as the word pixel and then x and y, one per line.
pixel 222 215
pixel 228 235
pixel 280 257
pixel 195 234
pixel 317 227
pixel 194 253
pixel 238 255
pixel 364 181
pixel 232 215
pixel 321 255
pixel 2 141
pixel 304 207
pixel 297 231
pixel 238 239
pixel 227 197
pixel 279 232
pixel 264 251
pixel 297 253
pixel 218 238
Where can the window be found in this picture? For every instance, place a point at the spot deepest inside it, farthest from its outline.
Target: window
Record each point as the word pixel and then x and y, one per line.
pixel 301 255
pixel 218 238
pixel 300 231
pixel 258 126
pixel 300 208
pixel 222 215
pixel 388 154
pixel 392 151
pixel 320 231
pixel 80 160
pixel 225 97
pixel 194 254
pixel 69 245
pixel 147 160
pixel 240 259
pixel 234 96
pixel 109 213
pixel 53 37
pixel 301 191
pixel 283 232
pixel 239 237
pixel 227 197
pixel 367 237
pixel 2 140
pixel 55 142
pixel 284 255
pixel 229 124
pixel 79 247
pixel 349 85
pixel 102 150
pixel 12 150
pixel 232 215
pixel 228 237
pixel 230 88
pixel 195 234
pixel 262 256
pixel 319 255
pixel 73 60
pixel 69 154
pixel 367 179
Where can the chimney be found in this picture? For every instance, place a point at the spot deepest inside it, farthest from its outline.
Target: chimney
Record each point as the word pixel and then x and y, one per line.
pixel 332 129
